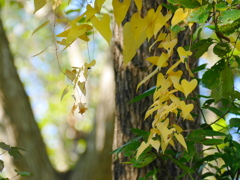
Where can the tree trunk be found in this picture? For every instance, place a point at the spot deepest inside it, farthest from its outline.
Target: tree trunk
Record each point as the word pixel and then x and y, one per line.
pixel 17 120
pixel 128 116
pixel 19 128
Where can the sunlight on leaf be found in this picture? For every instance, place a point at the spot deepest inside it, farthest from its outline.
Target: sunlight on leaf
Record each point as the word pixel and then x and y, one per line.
pixel 103 26
pixel 41 26
pixel 38 4
pixel 120 9
pixel 179 16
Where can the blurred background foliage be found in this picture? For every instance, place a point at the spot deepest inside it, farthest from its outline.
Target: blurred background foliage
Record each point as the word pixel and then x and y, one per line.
pixel 64 134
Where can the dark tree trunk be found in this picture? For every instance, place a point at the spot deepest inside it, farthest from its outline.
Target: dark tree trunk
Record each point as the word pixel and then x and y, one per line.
pixel 130 116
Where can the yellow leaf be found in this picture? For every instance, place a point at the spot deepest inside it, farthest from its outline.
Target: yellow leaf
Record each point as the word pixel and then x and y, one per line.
pixel 141 148
pixel 74 107
pixel 173 66
pixel 175 99
pixel 65 91
pixel 138 4
pixel 82 87
pixel 120 9
pixel 89 65
pixel 229 1
pixel 155 144
pixel 179 16
pixel 169 45
pixel 90 12
pixel 73 34
pixel 70 74
pixel 150 111
pixel 183 54
pixel 162 124
pixel 178 128
pixel 103 26
pixel 200 1
pixel 154 60
pixel 181 140
pixel 186 109
pixel 98 4
pixel 162 59
pixel 38 4
pixel 139 26
pixel 175 76
pixel 56 3
pixel 189 70
pixel 147 78
pixel 166 137
pixel 135 29
pixel 160 37
pixel 160 21
pixel 41 26
pixel 40 52
pixel 186 87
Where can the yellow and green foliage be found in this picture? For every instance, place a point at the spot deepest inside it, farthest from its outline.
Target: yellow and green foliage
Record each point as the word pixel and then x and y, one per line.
pixel 160 27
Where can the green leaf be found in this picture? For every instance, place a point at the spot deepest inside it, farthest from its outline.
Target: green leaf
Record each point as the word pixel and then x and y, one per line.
pixel 14 152
pixel 131 146
pixel 201 47
pixel 199 68
pixel 222 6
pixel 225 87
pixel 197 32
pixel 200 134
pixel 199 15
pixel 143 160
pixel 4 146
pixel 142 133
pixel 1 165
pixel 22 173
pixel 221 49
pixel 143 95
pixel 218 112
pixel 229 16
pixel 207 175
pixel 191 4
pixel 211 77
pixel 234 122
pixel 212 141
pixel 229 28
pixel 181 165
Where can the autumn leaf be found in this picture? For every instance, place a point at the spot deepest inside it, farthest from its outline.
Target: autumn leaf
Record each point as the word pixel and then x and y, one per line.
pixel 186 109
pixel 181 140
pixel 82 87
pixel 120 9
pixel 82 108
pixel 103 26
pixel 38 4
pixel 70 74
pixel 179 16
pixel 65 91
pixel 41 26
pixel 186 87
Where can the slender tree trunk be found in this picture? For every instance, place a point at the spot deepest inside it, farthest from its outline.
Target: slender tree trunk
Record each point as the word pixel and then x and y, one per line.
pixel 17 120
pixel 130 116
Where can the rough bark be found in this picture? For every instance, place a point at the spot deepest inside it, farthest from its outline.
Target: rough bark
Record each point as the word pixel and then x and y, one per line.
pixel 130 116
pixel 17 120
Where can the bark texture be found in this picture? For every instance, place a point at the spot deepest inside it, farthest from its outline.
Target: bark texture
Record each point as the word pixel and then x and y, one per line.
pixel 130 116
